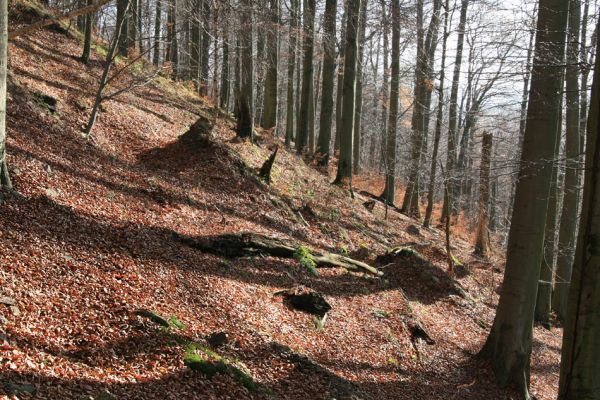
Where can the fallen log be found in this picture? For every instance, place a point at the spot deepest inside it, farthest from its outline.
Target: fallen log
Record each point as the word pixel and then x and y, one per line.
pixel 251 244
pixel 380 199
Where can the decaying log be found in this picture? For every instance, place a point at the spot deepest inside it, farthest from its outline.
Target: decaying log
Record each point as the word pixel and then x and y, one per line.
pixel 265 170
pixel 245 244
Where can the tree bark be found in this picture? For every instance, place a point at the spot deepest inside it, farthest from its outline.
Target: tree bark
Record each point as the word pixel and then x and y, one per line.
pixel 245 122
pixel 543 305
pixel 508 345
pixel 357 134
pixel 344 172
pixel 307 75
pixel 452 112
pixel 5 182
pixel 340 80
pixel 568 219
pixel 438 123
pixel 270 96
pixel 389 192
pixel 87 41
pixel 425 51
pixel 580 362
pixel 482 235
pixel 289 122
pixel 326 116
pixel 157 30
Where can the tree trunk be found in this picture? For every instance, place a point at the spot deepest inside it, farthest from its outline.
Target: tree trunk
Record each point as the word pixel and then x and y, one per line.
pixel 359 89
pixel 390 163
pixel 344 172
pixel 326 117
pixel 508 345
pixel 270 96
pixel 482 235
pixel 289 122
pixel 307 75
pixel 5 182
pixel 87 42
pixel 580 362
pixel 245 100
pixel 410 203
pixel 205 46
pixel 568 219
pixel 543 305
pixel 123 15
pixel 224 95
pixel 172 50
pixel 452 112
pixel 438 123
pixel 157 30
pixel 195 44
pixel 340 80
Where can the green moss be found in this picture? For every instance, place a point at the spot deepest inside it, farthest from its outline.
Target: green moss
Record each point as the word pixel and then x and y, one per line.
pixel 210 363
pixel 175 323
pixel 306 259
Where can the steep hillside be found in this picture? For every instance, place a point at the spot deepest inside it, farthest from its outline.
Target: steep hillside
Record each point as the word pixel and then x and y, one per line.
pixel 91 237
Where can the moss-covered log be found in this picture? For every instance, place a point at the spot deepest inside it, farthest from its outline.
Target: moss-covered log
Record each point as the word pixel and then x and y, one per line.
pixel 245 244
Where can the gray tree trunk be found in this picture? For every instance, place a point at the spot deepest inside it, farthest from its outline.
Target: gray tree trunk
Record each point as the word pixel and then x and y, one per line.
pixel 307 75
pixel 568 219
pixel 482 235
pixel 453 112
pixel 289 121
pixel 390 163
pixel 325 120
pixel 344 172
pixel 270 96
pixel 359 90
pixel 438 123
pixel 508 345
pixel 580 362
pixel 157 24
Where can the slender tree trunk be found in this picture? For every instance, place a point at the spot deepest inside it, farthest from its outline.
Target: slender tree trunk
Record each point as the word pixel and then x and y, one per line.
pixel 326 117
pixel 390 163
pixel 344 172
pixel 110 58
pixel 438 123
pixel 172 47
pixel 425 51
pixel 580 362
pixel 452 113
pixel 87 41
pixel 5 182
pixel 568 219
pixel 356 148
pixel 245 100
pixel 195 44
pixel 224 96
pixel 384 97
pixel 544 294
pixel 289 122
pixel 508 345
pixel 270 96
pixel 307 75
pixel 482 235
pixel 205 47
pixel 123 15
pixel 157 31
pixel 340 80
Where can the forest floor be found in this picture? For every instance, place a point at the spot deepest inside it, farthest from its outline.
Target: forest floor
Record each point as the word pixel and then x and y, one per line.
pixel 89 238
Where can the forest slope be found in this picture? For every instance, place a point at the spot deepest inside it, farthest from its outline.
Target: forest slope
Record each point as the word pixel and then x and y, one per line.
pixel 90 238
